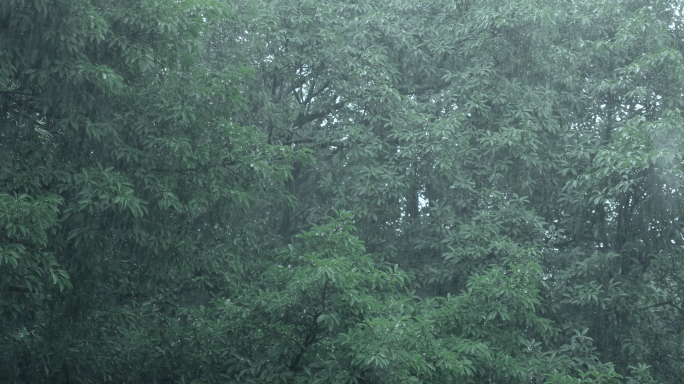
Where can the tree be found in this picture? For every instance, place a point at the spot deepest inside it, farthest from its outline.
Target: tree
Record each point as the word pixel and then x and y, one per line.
pixel 122 178
pixel 503 177
pixel 465 134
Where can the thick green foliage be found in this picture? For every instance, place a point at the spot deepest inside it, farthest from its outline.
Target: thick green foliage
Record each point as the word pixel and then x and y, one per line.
pixel 323 191
pixel 121 176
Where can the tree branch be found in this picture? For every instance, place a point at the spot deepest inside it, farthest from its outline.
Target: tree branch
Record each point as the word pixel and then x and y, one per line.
pixel 303 119
pixel 14 288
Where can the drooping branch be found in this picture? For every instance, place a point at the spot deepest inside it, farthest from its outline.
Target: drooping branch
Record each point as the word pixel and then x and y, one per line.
pixel 13 288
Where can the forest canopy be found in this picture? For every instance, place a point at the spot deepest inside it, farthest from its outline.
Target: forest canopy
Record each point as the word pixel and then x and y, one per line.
pixel 348 191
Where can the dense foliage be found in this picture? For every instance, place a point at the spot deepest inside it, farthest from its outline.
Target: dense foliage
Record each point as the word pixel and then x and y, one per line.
pixel 355 191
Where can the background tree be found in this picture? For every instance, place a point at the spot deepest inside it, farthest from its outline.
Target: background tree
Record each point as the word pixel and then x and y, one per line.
pixel 465 133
